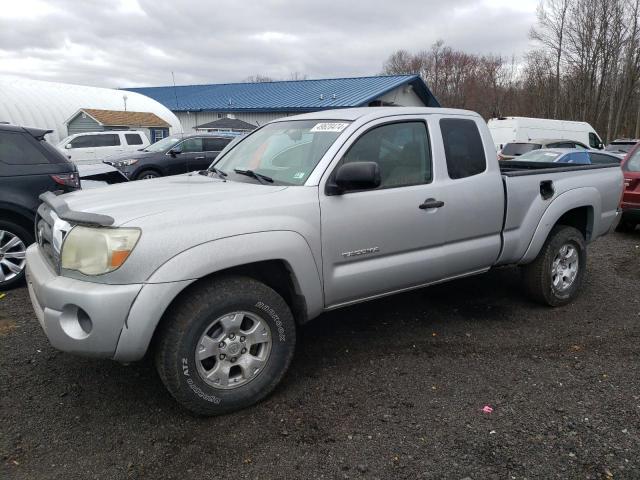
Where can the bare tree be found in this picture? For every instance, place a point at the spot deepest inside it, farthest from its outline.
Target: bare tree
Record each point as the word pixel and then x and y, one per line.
pixel 552 20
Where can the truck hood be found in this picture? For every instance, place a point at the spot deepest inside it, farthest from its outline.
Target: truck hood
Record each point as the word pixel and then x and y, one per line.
pixel 128 201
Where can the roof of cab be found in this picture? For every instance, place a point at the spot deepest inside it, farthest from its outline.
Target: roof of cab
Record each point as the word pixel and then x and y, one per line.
pixel 351 114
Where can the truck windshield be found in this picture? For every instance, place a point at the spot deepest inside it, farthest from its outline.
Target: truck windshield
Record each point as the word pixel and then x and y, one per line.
pixel 287 152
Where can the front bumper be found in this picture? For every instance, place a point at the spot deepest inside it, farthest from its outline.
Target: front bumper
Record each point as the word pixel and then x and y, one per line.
pixel 97 319
pixel 78 317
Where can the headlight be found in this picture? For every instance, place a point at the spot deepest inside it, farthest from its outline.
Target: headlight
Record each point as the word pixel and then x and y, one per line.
pixel 95 251
pixel 125 163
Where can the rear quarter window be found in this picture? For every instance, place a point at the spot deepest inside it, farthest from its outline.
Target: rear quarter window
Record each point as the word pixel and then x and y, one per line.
pixel 463 147
pixel 133 138
pixel 20 149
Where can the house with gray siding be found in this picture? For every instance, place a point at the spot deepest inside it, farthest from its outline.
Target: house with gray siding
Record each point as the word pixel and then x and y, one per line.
pixel 258 103
pixel 96 120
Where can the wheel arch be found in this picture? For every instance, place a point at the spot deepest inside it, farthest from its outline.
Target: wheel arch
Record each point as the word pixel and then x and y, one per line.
pixel 19 216
pixel 579 208
pixel 282 260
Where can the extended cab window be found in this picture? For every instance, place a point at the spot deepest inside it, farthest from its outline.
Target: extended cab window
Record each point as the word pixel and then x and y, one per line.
pixel 133 139
pixel 400 149
pixel 18 149
pixel 463 147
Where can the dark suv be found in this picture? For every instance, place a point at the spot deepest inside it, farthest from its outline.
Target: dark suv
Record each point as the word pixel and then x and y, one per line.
pixel 29 166
pixel 171 156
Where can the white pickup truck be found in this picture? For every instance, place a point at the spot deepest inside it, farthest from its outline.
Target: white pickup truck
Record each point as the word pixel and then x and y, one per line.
pixel 214 271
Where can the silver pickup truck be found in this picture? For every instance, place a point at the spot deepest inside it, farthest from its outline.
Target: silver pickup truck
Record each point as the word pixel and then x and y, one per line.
pixel 214 270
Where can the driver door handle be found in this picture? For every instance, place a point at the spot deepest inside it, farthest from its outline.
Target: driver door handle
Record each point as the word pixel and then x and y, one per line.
pixel 431 203
pixel 199 158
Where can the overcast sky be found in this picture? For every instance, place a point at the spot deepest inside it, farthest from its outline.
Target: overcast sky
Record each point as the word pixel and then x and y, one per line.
pixel 118 43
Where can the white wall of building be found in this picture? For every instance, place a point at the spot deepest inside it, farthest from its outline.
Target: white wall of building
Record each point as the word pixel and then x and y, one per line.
pixel 404 96
pixel 189 120
pixel 33 103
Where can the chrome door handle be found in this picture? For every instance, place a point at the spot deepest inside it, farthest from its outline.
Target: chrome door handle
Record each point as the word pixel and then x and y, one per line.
pixel 199 158
pixel 431 203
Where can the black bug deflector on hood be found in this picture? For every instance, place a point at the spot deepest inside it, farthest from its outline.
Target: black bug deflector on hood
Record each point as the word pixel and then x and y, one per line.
pixel 65 213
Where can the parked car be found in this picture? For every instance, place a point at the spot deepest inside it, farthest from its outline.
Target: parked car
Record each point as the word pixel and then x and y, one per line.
pixel 93 147
pixel 304 215
pixel 515 149
pixel 569 155
pixel 622 146
pixel 171 156
pixel 522 130
pixel 631 197
pixel 97 175
pixel 29 166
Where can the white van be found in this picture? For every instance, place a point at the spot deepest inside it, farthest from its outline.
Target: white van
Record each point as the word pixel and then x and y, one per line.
pixel 522 129
pixel 93 147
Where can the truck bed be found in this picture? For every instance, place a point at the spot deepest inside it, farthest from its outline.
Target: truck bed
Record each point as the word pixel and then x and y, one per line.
pixel 534 191
pixel 515 168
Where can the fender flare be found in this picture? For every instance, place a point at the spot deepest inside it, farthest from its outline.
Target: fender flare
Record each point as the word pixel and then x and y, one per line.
pixel 170 279
pixel 569 200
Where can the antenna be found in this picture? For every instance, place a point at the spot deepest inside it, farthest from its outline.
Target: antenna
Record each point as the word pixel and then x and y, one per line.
pixel 175 90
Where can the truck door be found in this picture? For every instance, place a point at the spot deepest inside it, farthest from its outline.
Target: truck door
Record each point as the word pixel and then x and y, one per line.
pixel 473 193
pixel 388 238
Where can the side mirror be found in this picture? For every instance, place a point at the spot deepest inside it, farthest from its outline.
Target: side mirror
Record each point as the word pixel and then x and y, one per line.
pixel 68 146
pixel 175 151
pixel 600 146
pixel 355 176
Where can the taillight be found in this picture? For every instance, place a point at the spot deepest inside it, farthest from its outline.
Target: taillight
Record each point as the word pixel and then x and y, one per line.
pixel 70 180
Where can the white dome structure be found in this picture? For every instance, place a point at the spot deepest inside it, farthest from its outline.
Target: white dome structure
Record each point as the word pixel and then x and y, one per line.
pixel 34 103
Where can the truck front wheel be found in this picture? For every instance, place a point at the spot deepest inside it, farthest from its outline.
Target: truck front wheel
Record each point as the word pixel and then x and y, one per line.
pixel 225 345
pixel 555 276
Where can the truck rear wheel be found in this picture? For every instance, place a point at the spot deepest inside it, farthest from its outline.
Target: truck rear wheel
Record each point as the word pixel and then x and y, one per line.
pixel 225 345
pixel 555 276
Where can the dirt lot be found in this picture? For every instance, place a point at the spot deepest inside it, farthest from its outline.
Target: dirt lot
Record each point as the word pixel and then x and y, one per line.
pixel 389 389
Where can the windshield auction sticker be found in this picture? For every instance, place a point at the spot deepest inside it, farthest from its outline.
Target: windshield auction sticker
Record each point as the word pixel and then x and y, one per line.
pixel 329 127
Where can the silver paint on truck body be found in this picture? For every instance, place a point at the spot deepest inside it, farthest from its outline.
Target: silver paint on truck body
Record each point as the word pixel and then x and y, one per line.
pixel 339 249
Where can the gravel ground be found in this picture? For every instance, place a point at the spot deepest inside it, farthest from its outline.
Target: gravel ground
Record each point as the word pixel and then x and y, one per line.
pixel 390 389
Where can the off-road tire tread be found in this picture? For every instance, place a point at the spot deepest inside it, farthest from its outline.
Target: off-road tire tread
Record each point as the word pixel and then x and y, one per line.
pixel 175 324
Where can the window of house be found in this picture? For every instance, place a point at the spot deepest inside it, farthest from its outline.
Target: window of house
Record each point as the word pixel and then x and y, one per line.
pixel 463 147
pixel 400 149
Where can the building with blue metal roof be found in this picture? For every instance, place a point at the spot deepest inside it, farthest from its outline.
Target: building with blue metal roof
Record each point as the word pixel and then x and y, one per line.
pixel 258 103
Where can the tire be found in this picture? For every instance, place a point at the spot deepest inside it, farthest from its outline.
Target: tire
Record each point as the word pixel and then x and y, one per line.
pixel 147 175
pixel 626 226
pixel 539 280
pixel 14 240
pixel 206 309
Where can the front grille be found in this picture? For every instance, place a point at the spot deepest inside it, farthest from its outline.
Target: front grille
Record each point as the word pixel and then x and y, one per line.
pixel 45 223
